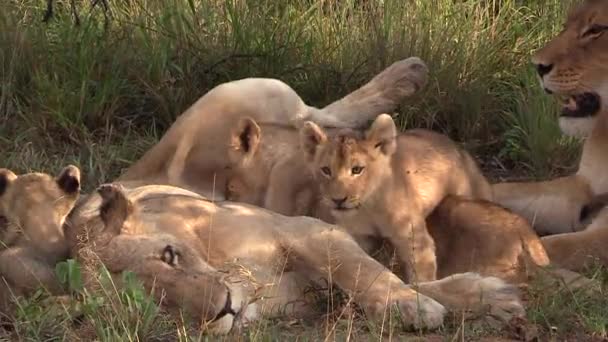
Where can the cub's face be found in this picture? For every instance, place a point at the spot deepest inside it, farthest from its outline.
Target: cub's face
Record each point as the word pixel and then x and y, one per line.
pixel 574 66
pixel 35 203
pixel 349 166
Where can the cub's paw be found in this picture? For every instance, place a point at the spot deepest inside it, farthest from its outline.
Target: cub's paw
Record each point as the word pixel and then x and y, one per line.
pixel 109 191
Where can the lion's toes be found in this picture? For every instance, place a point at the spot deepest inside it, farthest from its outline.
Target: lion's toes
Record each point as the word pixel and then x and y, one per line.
pixel 406 72
pixel 420 312
pixel 109 191
pixel 501 299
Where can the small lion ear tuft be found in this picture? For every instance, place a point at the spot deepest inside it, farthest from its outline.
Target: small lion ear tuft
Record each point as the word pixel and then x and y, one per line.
pixel 6 178
pixel 383 134
pixel 311 136
pixel 246 137
pixel 69 179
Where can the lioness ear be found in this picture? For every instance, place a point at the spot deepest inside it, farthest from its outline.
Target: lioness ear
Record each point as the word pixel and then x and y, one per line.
pixel 246 137
pixel 115 207
pixel 382 134
pixel 311 136
pixel 69 179
pixel 6 178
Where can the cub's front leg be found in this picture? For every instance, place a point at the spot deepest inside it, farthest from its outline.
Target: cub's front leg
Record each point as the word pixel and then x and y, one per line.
pixel 414 246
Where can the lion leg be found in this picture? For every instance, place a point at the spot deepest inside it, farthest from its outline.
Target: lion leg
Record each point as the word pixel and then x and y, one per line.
pixel 552 207
pixel 416 250
pixel 328 252
pixel 382 94
pixel 24 271
pixel 471 291
pixel 575 251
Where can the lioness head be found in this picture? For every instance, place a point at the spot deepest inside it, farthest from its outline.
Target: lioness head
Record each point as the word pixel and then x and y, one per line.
pixel 349 165
pixel 574 66
pixel 36 204
pixel 170 267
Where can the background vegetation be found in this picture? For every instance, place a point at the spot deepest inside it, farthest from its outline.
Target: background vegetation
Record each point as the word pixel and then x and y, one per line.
pixel 98 94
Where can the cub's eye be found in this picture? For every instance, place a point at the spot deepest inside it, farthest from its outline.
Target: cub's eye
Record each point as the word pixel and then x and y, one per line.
pixel 356 170
pixel 326 171
pixel 595 30
pixel 170 256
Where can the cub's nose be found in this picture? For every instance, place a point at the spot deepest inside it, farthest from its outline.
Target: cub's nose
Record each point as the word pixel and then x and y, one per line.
pixel 339 201
pixel 543 69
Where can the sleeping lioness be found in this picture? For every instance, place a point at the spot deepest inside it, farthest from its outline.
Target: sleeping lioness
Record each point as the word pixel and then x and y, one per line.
pixel 177 242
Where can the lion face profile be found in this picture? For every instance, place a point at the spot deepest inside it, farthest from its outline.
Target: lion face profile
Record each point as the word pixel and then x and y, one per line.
pixel 574 66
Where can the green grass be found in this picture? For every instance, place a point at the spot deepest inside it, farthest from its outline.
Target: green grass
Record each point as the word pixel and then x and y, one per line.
pixel 98 95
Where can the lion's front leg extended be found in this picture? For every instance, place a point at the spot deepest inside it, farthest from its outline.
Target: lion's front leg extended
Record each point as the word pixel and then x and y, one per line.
pixel 24 271
pixel 415 248
pixel 333 254
pixel 552 207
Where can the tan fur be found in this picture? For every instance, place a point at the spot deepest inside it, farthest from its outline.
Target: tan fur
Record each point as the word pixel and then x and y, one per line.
pixel 192 153
pixel 34 207
pixel 470 235
pixel 574 62
pixel 178 241
pixel 380 184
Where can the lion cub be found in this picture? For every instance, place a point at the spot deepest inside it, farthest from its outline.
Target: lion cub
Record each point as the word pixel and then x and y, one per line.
pixel 33 208
pixel 378 183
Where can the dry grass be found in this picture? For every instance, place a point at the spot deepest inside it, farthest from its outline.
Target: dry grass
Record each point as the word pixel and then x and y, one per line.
pixel 99 94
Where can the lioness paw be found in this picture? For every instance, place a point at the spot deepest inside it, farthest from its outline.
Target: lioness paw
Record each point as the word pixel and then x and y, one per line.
pixel 414 310
pixel 501 299
pixel 421 312
pixel 406 76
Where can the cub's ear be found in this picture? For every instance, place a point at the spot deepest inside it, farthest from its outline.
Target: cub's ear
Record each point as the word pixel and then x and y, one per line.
pixel 69 179
pixel 383 134
pixel 6 178
pixel 311 136
pixel 246 136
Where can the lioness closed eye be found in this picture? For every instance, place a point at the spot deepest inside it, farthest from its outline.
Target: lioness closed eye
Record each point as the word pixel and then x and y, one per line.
pixel 381 183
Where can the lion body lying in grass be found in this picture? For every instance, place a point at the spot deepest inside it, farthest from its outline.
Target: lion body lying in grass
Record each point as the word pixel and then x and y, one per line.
pixel 177 242
pixel 192 153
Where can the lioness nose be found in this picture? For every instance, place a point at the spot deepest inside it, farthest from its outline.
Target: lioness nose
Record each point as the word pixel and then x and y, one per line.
pixel 339 201
pixel 544 69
